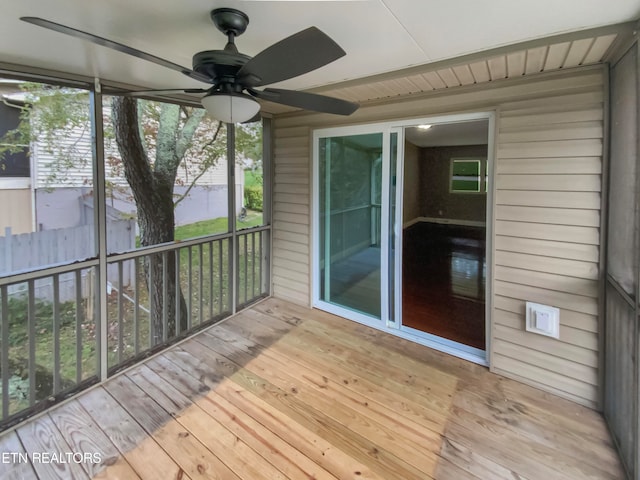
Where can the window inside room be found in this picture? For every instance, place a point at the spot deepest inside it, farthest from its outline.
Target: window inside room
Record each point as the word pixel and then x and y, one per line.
pixel 466 176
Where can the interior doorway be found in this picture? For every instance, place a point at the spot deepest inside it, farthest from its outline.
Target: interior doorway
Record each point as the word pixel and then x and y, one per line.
pixel 444 216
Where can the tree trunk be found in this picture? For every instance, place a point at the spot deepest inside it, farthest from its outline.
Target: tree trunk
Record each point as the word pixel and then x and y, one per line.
pixel 152 190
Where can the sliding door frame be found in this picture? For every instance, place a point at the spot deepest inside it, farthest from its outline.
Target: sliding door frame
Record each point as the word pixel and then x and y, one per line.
pixel 386 322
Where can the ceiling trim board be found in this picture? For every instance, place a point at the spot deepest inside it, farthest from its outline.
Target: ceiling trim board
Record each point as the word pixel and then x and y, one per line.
pixel 621 45
pixel 21 72
pixel 27 73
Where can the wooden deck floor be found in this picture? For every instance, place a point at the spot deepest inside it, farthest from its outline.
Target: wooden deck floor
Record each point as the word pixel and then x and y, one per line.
pixel 283 392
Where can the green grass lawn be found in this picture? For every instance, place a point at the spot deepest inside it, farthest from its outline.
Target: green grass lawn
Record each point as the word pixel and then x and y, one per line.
pixel 202 228
pixel 213 227
pixel 216 225
pixel 18 346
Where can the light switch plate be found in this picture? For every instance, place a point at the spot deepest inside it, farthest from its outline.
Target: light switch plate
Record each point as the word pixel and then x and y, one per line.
pixel 543 319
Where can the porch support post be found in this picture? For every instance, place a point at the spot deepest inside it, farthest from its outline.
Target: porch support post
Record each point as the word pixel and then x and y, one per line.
pixel 233 251
pixel 267 201
pixel 100 228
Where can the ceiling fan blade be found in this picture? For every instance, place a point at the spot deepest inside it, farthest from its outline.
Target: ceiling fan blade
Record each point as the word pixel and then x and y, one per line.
pixel 307 101
pixel 300 53
pixel 57 27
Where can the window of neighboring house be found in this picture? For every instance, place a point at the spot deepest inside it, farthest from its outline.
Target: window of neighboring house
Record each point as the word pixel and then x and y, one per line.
pixel 14 156
pixel 468 175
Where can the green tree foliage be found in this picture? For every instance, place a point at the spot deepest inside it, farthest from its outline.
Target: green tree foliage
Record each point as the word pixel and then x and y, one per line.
pixel 253 198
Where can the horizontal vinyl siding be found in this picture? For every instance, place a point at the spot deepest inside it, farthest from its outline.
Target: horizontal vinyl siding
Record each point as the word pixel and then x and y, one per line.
pixel 546 231
pixel 53 172
pixel 547 211
pixel 291 215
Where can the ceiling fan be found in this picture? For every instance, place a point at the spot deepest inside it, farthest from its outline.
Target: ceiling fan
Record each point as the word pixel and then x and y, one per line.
pixel 234 76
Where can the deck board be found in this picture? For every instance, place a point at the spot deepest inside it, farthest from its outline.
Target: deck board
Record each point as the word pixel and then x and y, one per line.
pixel 43 437
pixel 281 392
pixel 14 467
pixel 131 440
pixel 83 435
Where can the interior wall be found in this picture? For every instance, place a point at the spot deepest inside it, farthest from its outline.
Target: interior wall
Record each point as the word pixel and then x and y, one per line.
pixel 436 200
pixel 413 189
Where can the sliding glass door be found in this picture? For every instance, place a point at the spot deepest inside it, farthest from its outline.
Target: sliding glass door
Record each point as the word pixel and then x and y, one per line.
pixel 354 216
pixel 349 222
pixel 358 201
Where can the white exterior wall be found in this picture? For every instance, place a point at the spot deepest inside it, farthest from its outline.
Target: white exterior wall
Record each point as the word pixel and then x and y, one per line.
pixel 60 187
pixel 81 174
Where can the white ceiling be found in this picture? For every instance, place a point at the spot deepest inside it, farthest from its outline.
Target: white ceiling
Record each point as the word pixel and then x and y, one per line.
pixel 378 35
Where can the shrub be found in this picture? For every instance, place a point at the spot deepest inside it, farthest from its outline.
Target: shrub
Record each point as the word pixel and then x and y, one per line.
pixel 253 198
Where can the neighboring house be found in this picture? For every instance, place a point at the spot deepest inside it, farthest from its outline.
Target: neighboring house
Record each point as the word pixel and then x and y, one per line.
pixel 15 170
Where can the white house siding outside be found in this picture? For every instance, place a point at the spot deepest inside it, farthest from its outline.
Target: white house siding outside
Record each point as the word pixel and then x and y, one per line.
pixel 60 191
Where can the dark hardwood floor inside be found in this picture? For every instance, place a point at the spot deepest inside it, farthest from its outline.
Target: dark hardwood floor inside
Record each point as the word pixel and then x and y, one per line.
pixel 444 282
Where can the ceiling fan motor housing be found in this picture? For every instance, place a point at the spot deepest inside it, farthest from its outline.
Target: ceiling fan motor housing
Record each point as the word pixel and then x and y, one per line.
pixel 220 65
pixel 223 65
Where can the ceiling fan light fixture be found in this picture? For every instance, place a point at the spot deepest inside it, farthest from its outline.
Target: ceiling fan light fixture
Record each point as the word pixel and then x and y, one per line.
pixel 230 107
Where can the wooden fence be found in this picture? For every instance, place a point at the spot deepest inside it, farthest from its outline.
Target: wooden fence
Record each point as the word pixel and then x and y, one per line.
pixel 31 251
